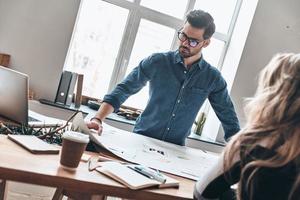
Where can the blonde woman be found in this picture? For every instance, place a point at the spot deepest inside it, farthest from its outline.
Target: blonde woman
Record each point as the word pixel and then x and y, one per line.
pixel 264 158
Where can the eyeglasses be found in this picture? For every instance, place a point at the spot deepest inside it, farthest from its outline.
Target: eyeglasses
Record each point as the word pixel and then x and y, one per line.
pixel 183 37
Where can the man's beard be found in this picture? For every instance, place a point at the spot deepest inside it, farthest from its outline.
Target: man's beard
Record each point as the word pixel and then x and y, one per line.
pixel 184 51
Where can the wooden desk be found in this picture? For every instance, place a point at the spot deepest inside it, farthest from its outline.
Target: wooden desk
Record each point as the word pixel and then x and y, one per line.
pixel 17 164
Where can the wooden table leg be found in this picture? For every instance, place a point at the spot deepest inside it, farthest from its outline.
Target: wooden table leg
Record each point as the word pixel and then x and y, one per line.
pixel 98 197
pixel 73 195
pixel 2 189
pixel 58 195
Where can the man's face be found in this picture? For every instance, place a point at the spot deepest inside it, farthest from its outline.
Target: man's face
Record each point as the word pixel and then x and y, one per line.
pixel 188 37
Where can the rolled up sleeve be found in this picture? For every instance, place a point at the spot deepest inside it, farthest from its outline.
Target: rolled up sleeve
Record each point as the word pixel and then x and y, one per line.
pixel 133 83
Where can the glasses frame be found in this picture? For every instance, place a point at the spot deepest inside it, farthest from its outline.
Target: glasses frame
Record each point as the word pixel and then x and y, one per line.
pixel 190 40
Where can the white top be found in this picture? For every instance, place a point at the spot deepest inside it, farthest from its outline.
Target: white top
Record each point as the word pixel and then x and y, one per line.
pixel 76 137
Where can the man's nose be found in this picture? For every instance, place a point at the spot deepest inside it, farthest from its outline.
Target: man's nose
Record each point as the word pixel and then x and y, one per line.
pixel 186 43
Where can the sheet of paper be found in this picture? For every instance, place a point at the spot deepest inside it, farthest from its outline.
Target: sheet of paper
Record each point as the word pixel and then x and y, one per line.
pixel 79 125
pixel 179 160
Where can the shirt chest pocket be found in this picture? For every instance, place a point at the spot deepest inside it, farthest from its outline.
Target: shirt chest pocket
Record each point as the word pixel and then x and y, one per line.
pixel 195 96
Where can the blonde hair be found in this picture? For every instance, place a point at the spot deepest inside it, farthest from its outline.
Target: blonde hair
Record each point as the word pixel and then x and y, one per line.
pixel 273 116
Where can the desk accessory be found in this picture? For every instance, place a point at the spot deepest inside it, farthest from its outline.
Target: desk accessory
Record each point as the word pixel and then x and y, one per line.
pixel 85 157
pixel 129 113
pixel 95 162
pixel 71 88
pixel 95 105
pixel 200 123
pixel 73 146
pixel 131 178
pixel 4 59
pixel 78 95
pixel 150 173
pixel 65 88
pixel 33 144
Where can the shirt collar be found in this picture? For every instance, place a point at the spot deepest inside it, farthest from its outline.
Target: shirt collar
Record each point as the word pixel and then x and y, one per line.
pixel 178 59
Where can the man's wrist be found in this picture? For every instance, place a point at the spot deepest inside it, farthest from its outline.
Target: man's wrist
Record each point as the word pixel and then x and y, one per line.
pixel 96 119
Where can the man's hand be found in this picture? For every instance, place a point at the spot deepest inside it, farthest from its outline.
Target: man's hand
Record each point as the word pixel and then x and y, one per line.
pixel 96 125
pixel 96 122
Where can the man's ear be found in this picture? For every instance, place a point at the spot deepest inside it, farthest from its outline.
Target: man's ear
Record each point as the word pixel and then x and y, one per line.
pixel 206 43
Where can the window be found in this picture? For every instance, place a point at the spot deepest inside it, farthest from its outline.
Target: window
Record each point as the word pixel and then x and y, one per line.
pixel 222 11
pixel 170 7
pixel 94 45
pixel 148 41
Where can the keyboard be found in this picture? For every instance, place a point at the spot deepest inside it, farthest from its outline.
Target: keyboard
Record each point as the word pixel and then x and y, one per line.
pixel 31 119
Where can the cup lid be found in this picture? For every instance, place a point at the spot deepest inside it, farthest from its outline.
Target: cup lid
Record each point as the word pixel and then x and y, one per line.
pixel 76 136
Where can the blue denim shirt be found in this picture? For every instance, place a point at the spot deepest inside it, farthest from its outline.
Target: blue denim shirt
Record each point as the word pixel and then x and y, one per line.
pixel 175 96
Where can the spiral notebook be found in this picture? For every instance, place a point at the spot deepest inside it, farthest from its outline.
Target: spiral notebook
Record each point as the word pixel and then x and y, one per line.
pixel 132 179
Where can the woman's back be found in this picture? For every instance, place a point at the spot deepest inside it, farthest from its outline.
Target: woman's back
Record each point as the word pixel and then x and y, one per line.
pixel 268 183
pixel 263 158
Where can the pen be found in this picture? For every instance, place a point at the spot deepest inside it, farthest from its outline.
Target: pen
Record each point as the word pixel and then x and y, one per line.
pixel 133 168
pixel 150 173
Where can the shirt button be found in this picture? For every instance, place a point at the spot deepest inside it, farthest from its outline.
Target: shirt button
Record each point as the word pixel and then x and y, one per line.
pixel 182 87
pixel 184 72
pixel 178 101
pixel 173 115
pixel 168 129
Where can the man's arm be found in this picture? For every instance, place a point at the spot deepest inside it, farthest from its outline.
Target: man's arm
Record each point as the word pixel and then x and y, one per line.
pixel 96 122
pixel 223 107
pixel 133 83
pixel 104 110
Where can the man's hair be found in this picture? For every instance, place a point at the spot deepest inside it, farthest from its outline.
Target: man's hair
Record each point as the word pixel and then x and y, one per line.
pixel 202 20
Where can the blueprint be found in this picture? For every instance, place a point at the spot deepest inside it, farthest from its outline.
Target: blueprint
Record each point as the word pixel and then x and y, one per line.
pixel 167 157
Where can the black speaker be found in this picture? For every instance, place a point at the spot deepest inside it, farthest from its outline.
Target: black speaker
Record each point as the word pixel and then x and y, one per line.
pixel 65 88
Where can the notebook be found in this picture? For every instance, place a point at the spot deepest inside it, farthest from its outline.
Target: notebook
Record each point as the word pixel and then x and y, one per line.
pixel 132 179
pixel 33 144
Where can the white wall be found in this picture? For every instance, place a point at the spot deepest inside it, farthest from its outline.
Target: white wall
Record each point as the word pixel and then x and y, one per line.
pixel 275 28
pixel 36 33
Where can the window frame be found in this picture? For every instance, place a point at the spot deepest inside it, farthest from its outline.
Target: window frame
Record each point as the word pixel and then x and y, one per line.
pixel 138 12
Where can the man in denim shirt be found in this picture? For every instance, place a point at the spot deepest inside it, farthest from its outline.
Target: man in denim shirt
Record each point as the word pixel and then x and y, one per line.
pixel 179 82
